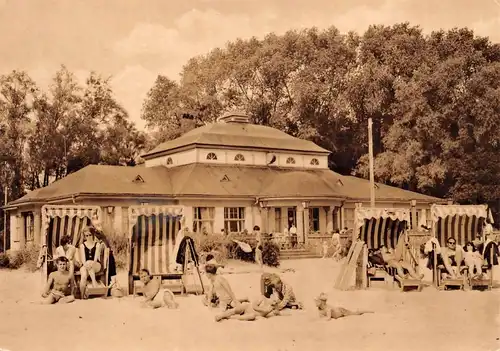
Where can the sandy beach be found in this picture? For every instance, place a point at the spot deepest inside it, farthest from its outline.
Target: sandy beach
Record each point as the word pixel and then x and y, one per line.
pixel 429 320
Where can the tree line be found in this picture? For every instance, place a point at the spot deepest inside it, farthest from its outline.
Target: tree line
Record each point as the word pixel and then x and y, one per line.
pixel 434 100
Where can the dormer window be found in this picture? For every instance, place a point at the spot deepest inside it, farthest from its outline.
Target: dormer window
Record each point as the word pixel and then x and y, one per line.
pixel 314 162
pixel 211 156
pixel 169 161
pixel 239 157
pixel 290 161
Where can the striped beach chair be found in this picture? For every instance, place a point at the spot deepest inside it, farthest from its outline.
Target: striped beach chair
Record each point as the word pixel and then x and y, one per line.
pixel 460 222
pixel 385 227
pixel 152 241
pixel 60 220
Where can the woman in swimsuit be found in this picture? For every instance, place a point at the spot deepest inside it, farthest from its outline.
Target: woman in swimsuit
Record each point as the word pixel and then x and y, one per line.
pixel 90 252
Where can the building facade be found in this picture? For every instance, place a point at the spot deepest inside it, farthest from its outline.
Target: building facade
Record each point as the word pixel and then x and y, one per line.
pixel 228 177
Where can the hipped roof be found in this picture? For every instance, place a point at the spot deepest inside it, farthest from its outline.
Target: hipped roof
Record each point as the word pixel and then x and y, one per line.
pixel 238 135
pixel 214 180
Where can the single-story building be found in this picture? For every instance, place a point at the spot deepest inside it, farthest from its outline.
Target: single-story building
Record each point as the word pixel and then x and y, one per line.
pixel 226 176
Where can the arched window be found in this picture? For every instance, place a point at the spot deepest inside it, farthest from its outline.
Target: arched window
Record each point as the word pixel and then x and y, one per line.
pixel 290 161
pixel 314 162
pixel 239 157
pixel 211 156
pixel 169 161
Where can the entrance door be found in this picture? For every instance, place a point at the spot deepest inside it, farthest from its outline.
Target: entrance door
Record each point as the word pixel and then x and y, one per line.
pixel 292 217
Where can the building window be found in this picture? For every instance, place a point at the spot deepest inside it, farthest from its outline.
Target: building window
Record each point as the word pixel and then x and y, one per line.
pixel 169 161
pixel 239 157
pixel 314 219
pixel 203 220
pixel 211 156
pixel 29 227
pixel 314 162
pixel 290 161
pixel 277 220
pixel 234 219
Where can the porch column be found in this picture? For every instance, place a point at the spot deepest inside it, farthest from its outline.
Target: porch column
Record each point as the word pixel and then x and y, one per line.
pixel 22 230
pixel 117 220
pixel 187 212
pixel 329 219
pixel 284 219
pixel 249 219
pixel 413 224
pixel 218 220
pixel 300 224
pixel 264 215
pixel 342 217
pixel 271 219
pixel 37 226
pixel 307 224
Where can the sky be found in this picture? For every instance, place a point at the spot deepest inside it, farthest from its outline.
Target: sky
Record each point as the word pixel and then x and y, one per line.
pixel 136 40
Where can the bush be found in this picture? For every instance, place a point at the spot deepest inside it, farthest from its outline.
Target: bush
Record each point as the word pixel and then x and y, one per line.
pixel 26 256
pixel 214 244
pixel 4 260
pixel 120 246
pixel 271 254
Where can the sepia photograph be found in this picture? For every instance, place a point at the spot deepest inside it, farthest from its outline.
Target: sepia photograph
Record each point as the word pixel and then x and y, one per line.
pixel 272 175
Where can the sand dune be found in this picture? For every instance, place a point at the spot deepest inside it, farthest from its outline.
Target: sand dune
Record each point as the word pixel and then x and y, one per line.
pixel 429 320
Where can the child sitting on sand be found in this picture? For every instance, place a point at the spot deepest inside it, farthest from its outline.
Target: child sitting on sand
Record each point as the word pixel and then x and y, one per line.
pixel 330 312
pixel 60 284
pixel 226 300
pixel 155 296
pixel 473 260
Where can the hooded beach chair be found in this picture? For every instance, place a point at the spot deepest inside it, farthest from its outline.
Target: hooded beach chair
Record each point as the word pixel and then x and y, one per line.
pixel 379 227
pixel 152 240
pixel 462 223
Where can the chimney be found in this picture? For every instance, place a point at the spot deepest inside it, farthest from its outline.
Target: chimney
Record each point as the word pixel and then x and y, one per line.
pixel 234 117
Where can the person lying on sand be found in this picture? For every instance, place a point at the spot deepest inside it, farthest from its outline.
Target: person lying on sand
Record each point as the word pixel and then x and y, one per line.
pixel 231 307
pixel 60 284
pixel 271 283
pixel 329 312
pixel 265 307
pixel 391 260
pixel 154 295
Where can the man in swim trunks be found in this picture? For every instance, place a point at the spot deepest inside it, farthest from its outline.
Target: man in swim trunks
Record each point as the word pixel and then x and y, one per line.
pixel 154 295
pixel 60 284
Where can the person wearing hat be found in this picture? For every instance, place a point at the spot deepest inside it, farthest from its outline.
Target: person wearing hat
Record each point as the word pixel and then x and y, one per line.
pixel 329 312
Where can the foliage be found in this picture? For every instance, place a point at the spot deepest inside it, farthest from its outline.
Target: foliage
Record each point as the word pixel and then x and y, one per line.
pixel 271 254
pixel 4 260
pixel 120 245
pixel 214 244
pixel 26 256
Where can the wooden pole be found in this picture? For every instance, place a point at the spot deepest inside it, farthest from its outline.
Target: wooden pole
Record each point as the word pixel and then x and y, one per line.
pixel 6 189
pixel 370 152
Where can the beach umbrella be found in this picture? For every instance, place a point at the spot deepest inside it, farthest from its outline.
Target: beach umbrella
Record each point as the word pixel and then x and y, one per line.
pixel 244 246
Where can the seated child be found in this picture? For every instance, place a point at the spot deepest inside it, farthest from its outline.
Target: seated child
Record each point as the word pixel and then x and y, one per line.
pixel 231 307
pixel 473 260
pixel 330 312
pixel 154 295
pixel 60 284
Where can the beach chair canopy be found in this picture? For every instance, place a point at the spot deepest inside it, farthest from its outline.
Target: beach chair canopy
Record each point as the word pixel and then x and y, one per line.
pixel 153 233
pixel 461 222
pixel 381 226
pixel 59 220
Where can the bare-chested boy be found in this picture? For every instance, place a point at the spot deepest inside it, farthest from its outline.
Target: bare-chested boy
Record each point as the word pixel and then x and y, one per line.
pixel 231 307
pixel 60 284
pixel 330 312
pixel 154 295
